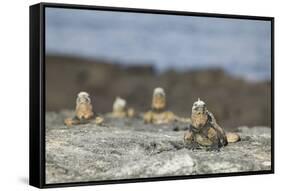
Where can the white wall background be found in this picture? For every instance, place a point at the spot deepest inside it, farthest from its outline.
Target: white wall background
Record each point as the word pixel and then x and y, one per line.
pixel 14 80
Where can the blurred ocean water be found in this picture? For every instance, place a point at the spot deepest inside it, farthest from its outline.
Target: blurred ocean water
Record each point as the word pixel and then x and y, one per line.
pixel 240 47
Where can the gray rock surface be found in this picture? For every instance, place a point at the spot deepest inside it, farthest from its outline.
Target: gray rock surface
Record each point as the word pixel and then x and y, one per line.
pixel 127 148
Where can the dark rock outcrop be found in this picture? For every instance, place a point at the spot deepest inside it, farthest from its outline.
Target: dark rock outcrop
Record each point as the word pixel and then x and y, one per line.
pixel 228 97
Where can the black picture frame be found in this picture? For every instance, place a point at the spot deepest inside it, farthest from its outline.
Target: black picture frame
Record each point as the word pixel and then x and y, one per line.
pixel 37 93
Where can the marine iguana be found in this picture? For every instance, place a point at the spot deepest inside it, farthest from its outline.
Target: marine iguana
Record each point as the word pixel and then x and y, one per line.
pixel 204 131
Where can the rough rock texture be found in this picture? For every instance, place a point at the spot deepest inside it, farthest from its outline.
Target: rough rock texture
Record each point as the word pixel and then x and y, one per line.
pixel 128 148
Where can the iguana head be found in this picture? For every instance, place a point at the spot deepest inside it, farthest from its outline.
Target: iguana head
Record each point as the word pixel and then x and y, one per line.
pixel 83 97
pixel 199 107
pixel 159 99
pixel 119 105
pixel 199 114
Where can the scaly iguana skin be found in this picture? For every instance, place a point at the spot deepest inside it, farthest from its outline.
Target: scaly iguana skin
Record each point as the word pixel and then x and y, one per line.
pixel 120 110
pixel 156 117
pixel 83 112
pixel 158 113
pixel 204 131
